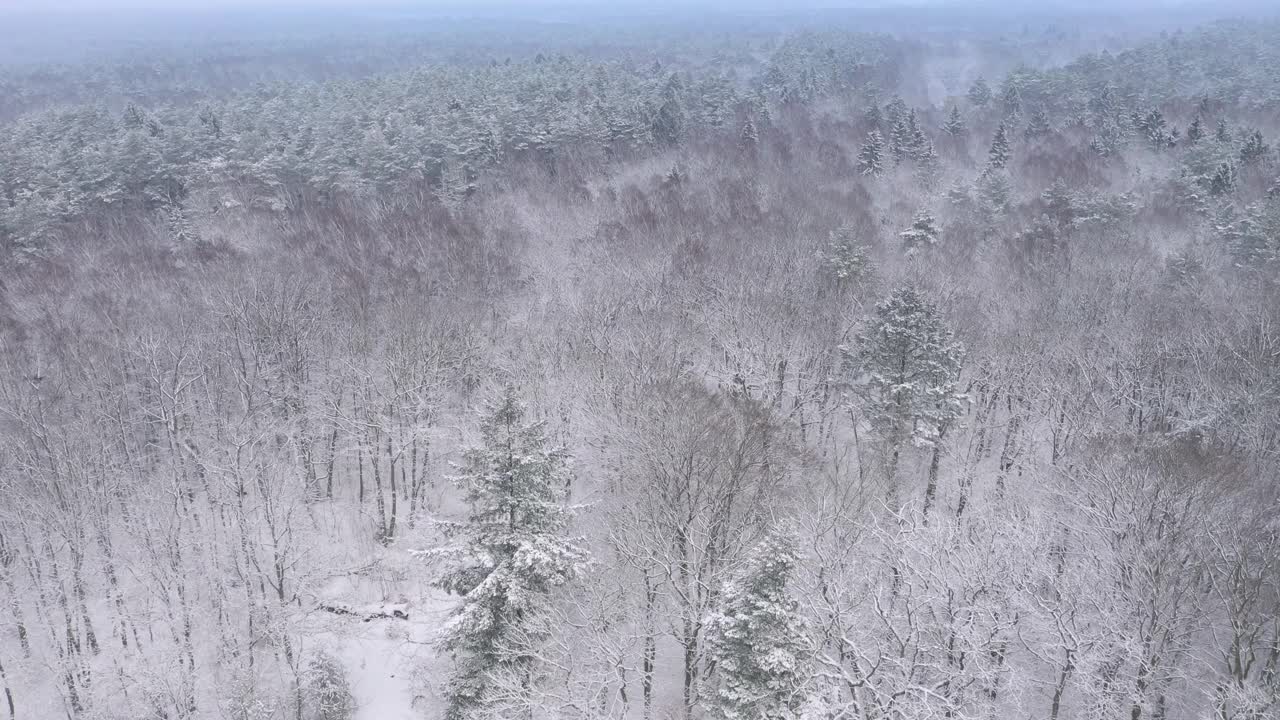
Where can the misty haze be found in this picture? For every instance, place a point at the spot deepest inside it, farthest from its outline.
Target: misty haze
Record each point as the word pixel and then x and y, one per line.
pixel 594 360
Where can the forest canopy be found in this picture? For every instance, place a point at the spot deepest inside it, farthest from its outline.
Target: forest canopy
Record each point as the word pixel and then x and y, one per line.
pixel 893 364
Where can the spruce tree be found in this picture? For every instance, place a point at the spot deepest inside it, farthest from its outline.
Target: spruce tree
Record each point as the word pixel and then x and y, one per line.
pixel 998 156
pixel 758 638
pixel 873 118
pixel 509 554
pixel 871 156
pixel 1038 124
pixel 1223 180
pixel 980 93
pixel 899 139
pixel 848 255
pixel 668 122
pixel 1195 131
pixel 1222 134
pixel 928 166
pixel 918 146
pixel 954 125
pixel 922 235
pixel 1254 149
pixel 748 137
pixel 909 365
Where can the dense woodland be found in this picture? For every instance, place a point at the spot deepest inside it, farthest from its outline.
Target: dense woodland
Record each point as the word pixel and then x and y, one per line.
pixel 712 372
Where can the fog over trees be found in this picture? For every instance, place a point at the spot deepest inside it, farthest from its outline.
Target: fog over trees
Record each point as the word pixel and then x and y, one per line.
pixel 908 363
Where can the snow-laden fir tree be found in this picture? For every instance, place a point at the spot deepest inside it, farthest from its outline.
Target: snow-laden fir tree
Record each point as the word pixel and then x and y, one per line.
pixel 954 126
pixel 922 235
pixel 1254 238
pixel 928 167
pixel 1195 131
pixel 998 156
pixel 748 137
pixel 847 255
pixel 871 156
pixel 873 117
pixel 1223 180
pixel 1038 125
pixel 899 140
pixel 907 365
pixel 980 93
pixel 918 145
pixel 1254 148
pixel 758 638
pixel 509 554
pixel 1222 133
pixel 995 193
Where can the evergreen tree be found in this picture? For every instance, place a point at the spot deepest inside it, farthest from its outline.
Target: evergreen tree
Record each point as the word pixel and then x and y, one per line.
pixel 918 146
pixel 758 638
pixel 980 93
pixel 847 255
pixel 508 555
pixel 1038 124
pixel 954 125
pixel 994 193
pixel 928 167
pixel 922 234
pixel 1195 131
pixel 998 156
pixel 871 156
pixel 1059 203
pixel 895 110
pixel 1155 129
pixel 748 137
pixel 668 122
pixel 909 363
pixel 1223 180
pixel 1222 134
pixel 899 139
pixel 1254 239
pixel 1108 142
pixel 1254 149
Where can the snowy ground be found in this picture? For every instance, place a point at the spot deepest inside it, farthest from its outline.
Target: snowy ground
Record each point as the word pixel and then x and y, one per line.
pixel 390 661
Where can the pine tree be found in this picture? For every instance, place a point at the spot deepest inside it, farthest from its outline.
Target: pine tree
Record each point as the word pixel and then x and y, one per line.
pixel 1154 127
pixel 980 93
pixel 1254 239
pixel 928 166
pixel 899 139
pixel 668 123
pixel 1254 149
pixel 1195 131
pixel 994 193
pixel 508 555
pixel 954 125
pixel 669 120
pixel 871 156
pixel 895 110
pixel 998 157
pixel 1038 124
pixel 1222 134
pixel 1223 180
pixel 748 137
pixel 758 638
pixel 918 146
pixel 847 255
pixel 873 118
pixel 1059 203
pixel 909 363
pixel 922 235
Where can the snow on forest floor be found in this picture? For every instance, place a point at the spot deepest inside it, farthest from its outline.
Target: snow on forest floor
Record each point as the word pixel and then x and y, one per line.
pixel 389 660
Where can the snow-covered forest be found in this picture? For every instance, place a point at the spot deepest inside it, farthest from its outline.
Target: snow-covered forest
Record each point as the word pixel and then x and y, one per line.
pixel 853 365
